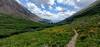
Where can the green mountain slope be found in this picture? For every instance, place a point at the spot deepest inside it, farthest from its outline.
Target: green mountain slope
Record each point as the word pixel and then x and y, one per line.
pixel 86 24
pixel 10 25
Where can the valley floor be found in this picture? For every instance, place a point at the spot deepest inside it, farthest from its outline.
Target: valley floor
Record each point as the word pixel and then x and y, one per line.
pixel 18 32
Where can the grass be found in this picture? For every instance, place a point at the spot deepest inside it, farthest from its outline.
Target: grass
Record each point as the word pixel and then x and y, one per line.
pixel 88 27
pixel 89 32
pixel 10 25
pixel 52 37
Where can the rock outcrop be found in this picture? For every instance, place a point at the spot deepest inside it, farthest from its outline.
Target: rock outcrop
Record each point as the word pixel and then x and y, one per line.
pixel 13 8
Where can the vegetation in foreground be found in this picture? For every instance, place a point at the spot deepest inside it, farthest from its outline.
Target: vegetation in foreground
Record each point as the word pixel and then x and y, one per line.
pixel 10 25
pixel 88 27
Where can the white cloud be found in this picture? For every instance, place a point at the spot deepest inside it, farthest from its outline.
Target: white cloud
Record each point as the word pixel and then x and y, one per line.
pixel 42 6
pixel 60 1
pixel 59 8
pixel 50 7
pixel 78 0
pixel 51 2
pixel 51 16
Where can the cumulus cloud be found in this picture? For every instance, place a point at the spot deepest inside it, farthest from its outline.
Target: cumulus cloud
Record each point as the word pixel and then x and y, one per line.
pixel 60 1
pixel 60 14
pixel 78 0
pixel 51 2
pixel 59 8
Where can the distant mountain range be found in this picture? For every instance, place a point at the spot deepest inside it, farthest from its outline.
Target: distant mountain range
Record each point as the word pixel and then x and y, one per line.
pixel 13 8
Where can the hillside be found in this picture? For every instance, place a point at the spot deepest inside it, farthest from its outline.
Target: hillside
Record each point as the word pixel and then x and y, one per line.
pixel 10 25
pixel 11 7
pixel 59 35
pixel 88 27
pixel 16 31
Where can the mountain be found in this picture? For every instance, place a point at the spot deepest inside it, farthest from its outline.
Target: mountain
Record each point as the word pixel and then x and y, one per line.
pixel 18 32
pixel 55 10
pixel 9 7
pixel 87 26
pixel 13 8
pixel 92 9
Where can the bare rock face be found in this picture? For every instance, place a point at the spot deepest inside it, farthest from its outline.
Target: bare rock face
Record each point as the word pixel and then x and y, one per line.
pixel 13 8
pixel 9 6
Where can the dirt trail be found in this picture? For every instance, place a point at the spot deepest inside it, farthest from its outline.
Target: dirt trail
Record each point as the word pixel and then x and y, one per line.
pixel 72 42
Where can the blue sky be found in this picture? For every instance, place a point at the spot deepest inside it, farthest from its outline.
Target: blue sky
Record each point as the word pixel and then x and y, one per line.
pixel 55 10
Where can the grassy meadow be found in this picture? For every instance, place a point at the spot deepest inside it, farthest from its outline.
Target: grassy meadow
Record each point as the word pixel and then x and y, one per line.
pixel 18 32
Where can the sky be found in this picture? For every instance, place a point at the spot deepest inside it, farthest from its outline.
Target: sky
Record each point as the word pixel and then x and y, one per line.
pixel 55 10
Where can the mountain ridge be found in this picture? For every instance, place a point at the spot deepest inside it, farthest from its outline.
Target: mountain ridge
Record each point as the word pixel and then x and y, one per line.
pixel 11 7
